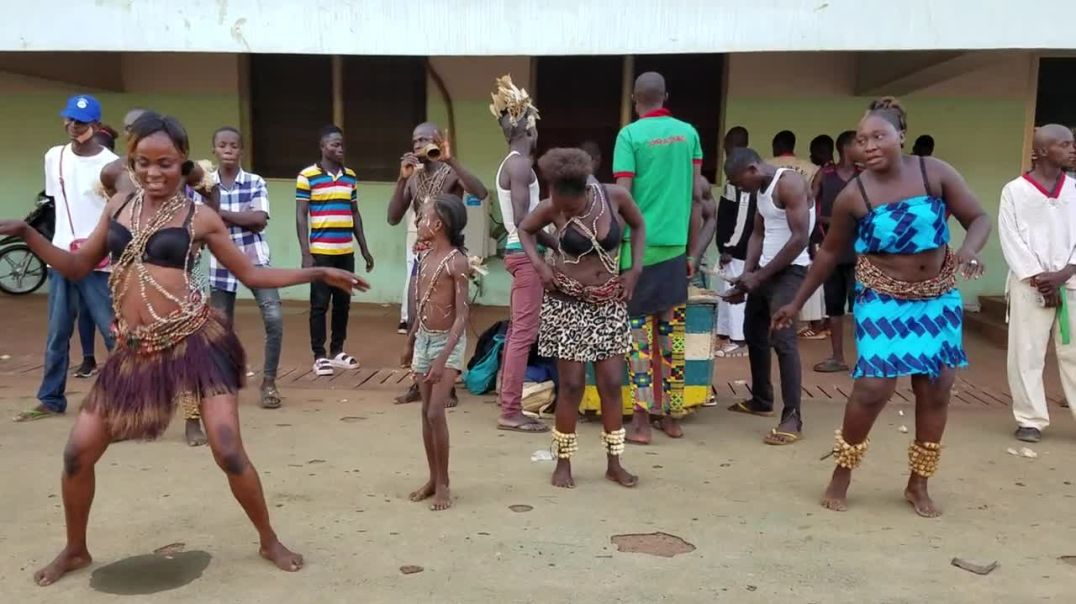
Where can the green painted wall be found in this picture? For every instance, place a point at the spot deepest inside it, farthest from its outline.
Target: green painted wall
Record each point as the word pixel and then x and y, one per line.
pixel 982 139
pixel 32 119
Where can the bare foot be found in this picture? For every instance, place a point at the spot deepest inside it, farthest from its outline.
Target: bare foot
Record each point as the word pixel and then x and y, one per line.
pixel 836 497
pixel 424 492
pixel 619 475
pixel 67 561
pixel 284 558
pixel 671 427
pixel 916 494
pixel 562 475
pixel 195 436
pixel 639 430
pixel 453 400
pixel 411 396
pixel 442 498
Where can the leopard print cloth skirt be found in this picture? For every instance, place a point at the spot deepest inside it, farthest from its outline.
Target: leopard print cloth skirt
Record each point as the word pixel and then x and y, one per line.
pixel 573 330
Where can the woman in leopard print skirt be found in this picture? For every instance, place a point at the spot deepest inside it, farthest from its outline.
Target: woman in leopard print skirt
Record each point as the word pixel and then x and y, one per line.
pixel 584 317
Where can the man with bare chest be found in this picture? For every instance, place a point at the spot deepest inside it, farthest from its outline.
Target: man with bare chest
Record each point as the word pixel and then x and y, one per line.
pixel 426 171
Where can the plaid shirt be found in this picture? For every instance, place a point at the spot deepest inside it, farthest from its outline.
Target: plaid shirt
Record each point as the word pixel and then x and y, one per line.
pixel 248 194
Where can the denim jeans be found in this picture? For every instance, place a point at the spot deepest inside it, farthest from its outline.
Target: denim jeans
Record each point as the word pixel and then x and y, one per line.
pixel 86 328
pixel 269 303
pixel 64 296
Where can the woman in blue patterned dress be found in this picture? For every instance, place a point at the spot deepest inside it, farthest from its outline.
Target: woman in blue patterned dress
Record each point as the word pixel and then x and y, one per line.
pixel 908 312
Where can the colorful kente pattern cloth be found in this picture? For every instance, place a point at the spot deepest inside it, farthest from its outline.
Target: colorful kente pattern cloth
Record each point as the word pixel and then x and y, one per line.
pixel 645 372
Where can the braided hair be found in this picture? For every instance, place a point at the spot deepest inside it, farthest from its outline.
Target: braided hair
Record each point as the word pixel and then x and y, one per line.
pixel 890 109
pixel 453 215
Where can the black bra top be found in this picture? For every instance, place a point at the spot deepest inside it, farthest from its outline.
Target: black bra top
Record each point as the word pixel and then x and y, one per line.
pixel 577 244
pixel 167 247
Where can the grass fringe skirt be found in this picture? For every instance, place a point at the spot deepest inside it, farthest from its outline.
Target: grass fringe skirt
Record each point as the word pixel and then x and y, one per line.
pixel 137 392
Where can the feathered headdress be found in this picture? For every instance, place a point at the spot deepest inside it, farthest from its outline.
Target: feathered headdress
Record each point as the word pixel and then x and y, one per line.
pixel 513 102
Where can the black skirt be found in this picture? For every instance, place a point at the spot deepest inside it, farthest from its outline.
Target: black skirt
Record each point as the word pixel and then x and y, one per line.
pixel 661 287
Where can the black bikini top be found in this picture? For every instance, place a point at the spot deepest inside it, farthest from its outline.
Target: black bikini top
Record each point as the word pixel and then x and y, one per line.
pixel 574 243
pixel 167 247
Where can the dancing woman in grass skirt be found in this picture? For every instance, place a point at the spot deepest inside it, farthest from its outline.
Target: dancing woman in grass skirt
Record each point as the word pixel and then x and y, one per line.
pixel 908 312
pixel 170 347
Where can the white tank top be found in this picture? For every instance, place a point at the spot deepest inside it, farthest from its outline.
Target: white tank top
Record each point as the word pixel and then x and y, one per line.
pixel 775 221
pixel 504 197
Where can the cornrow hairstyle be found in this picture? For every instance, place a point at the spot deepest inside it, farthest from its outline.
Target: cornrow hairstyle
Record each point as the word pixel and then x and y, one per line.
pixel 890 109
pixel 453 215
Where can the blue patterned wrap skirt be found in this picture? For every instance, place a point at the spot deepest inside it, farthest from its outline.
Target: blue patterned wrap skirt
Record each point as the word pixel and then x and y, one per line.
pixel 896 337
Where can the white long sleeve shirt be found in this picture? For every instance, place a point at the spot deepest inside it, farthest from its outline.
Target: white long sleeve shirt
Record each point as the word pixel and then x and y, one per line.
pixel 1038 227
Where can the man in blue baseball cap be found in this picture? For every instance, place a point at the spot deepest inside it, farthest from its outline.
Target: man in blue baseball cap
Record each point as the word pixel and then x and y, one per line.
pixel 72 178
pixel 82 108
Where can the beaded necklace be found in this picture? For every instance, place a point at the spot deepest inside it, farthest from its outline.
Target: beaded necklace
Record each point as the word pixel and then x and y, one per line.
pixel 442 267
pixel 611 262
pixel 426 186
pixel 191 312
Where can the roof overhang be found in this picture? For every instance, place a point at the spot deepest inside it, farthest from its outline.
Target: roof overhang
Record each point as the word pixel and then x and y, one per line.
pixel 552 27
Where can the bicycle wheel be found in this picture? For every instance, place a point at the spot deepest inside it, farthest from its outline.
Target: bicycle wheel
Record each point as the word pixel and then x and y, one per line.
pixel 21 270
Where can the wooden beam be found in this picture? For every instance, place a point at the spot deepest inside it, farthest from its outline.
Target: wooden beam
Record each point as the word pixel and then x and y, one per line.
pixel 900 74
pixel 627 88
pixel 94 71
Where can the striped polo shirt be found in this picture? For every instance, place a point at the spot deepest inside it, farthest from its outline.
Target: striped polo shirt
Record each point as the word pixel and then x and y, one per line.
pixel 330 197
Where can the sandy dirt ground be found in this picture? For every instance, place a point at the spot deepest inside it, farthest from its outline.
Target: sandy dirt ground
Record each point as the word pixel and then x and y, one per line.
pixel 337 466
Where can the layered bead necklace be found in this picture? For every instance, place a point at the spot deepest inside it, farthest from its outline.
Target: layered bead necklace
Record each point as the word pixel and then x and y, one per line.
pixel 441 268
pixel 191 311
pixel 611 262
pixel 594 294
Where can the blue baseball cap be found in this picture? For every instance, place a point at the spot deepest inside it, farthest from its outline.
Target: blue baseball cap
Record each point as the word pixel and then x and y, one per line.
pixel 82 108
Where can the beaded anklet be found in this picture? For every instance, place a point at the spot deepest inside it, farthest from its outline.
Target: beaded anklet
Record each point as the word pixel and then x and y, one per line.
pixel 923 458
pixel 564 445
pixel 614 442
pixel 848 455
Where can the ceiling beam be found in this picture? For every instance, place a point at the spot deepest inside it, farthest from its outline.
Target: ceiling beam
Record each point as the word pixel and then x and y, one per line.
pixel 900 74
pixel 99 71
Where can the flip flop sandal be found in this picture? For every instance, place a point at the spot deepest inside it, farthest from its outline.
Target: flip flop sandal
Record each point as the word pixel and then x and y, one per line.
pixel 742 407
pixel 33 415
pixel 323 367
pixel 270 399
pixel 535 427
pixel 830 366
pixel 344 361
pixel 778 438
pixel 731 351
